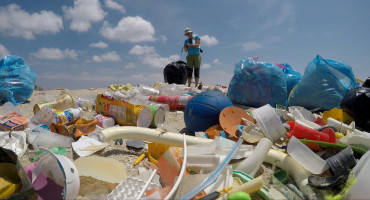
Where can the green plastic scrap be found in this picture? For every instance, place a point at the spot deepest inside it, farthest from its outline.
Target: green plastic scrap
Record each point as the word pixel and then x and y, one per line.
pixel 56 150
pixel 343 189
pixel 355 149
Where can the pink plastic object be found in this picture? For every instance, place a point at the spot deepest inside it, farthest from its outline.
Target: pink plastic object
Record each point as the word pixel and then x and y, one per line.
pixel 303 132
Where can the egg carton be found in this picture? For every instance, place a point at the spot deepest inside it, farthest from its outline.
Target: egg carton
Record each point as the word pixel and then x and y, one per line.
pixel 129 189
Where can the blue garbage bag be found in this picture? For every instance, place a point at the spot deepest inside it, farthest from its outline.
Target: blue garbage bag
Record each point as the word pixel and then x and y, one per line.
pixel 17 80
pixel 257 83
pixel 323 85
pixel 292 77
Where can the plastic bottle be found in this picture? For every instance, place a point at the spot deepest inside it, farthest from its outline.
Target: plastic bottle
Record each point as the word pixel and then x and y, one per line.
pixel 301 131
pixel 69 115
pixel 104 121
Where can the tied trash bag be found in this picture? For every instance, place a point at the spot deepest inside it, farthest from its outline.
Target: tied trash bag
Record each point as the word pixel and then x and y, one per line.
pixel 292 77
pixel 323 85
pixel 17 80
pixel 257 83
pixel 357 104
pixel 176 72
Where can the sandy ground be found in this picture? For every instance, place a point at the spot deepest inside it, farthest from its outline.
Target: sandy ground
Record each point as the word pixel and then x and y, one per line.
pixel 92 188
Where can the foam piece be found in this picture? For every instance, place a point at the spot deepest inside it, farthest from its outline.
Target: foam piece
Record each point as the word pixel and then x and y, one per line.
pixel 129 189
pixel 101 168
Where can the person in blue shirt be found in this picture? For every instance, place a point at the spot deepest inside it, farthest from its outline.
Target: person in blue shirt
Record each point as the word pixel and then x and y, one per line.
pixel 193 59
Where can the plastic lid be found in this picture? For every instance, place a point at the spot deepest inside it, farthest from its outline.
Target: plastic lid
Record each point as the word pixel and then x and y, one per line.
pixel 231 117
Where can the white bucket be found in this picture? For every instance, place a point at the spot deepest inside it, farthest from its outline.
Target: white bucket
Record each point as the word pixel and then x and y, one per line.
pixel 270 122
pixel 61 170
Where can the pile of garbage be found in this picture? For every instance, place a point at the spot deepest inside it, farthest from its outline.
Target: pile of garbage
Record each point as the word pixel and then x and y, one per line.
pixel 312 153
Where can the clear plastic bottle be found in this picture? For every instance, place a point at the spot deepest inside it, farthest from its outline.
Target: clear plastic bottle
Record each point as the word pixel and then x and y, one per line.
pixel 46 115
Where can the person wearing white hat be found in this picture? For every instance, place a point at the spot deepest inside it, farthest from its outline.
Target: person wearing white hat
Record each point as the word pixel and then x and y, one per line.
pixel 193 59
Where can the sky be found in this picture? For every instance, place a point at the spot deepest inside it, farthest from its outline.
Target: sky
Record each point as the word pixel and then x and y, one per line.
pixel 84 44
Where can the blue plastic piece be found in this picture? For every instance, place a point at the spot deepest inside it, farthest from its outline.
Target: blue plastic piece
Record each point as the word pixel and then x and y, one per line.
pixel 203 110
pixel 323 85
pixel 254 83
pixel 17 80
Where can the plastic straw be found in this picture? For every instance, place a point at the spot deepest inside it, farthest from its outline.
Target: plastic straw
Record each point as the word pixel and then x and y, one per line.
pixel 182 172
pixel 212 177
pixel 146 185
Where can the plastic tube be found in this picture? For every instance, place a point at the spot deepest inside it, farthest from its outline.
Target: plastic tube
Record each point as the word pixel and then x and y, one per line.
pixel 251 164
pixel 248 187
pixel 152 135
pixel 146 185
pixel 182 172
pixel 342 127
pixel 299 174
pixel 212 177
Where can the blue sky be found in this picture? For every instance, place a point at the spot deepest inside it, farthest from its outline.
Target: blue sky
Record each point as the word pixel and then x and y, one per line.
pixel 90 43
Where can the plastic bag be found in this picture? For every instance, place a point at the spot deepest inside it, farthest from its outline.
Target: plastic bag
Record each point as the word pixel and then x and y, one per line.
pixel 17 80
pixel 176 72
pixel 323 85
pixel 292 77
pixel 257 83
pixel 357 104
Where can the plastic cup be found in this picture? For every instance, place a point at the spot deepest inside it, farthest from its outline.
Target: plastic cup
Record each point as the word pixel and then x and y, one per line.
pixel 270 122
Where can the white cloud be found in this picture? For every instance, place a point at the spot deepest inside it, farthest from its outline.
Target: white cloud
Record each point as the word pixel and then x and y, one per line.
pixel 208 40
pixel 83 14
pixel 251 46
pixel 99 44
pixel 54 54
pixel 216 61
pixel 129 29
pixel 16 22
pixel 130 66
pixel 115 6
pixel 148 56
pixel 110 56
pixel 205 66
pixel 3 51
pixel 163 38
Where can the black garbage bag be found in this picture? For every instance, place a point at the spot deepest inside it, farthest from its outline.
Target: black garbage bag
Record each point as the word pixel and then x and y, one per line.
pixel 357 104
pixel 176 72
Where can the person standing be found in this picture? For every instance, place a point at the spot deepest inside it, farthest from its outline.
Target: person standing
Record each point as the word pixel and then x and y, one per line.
pixel 193 59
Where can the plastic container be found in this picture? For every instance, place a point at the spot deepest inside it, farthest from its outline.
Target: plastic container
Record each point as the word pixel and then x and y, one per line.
pixel 174 102
pixel 61 170
pixel 307 158
pixel 68 116
pixel 301 131
pixel 270 122
pixel 129 189
pixel 65 101
pixel 104 121
pixel 46 115
pixel 337 114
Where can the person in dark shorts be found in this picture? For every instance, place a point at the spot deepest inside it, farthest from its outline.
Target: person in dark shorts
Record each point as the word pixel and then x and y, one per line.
pixel 193 59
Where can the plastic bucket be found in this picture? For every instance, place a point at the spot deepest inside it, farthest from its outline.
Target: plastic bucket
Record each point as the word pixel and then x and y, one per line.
pixel 270 122
pixel 62 170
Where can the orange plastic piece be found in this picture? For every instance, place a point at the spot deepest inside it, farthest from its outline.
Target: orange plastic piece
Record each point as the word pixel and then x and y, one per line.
pixel 231 117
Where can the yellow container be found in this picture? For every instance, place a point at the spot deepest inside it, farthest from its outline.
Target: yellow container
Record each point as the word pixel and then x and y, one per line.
pixel 65 101
pixel 123 112
pixel 10 182
pixel 337 114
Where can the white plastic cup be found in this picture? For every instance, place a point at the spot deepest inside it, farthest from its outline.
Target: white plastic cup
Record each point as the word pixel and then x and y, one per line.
pixel 104 121
pixel 270 122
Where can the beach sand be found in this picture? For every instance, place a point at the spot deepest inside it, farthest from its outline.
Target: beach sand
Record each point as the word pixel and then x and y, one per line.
pixel 92 188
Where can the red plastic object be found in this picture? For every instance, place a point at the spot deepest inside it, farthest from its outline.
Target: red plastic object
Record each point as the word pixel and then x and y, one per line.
pixel 174 102
pixel 303 132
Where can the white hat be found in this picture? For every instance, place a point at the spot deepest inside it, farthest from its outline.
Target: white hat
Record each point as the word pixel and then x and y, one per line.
pixel 187 30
